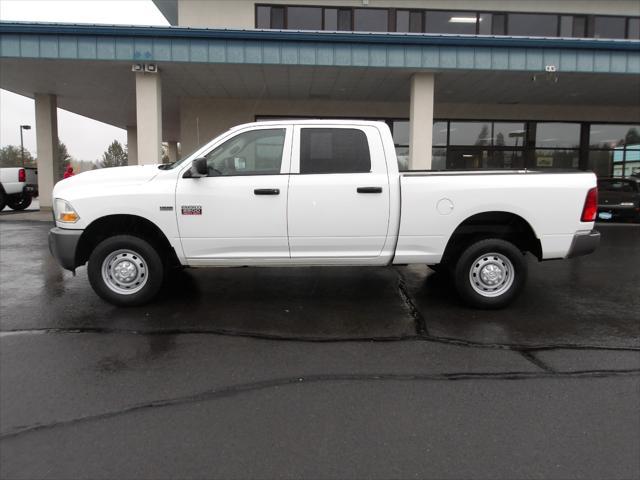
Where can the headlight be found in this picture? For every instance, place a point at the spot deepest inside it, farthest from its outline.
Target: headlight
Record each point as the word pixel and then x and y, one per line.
pixel 64 212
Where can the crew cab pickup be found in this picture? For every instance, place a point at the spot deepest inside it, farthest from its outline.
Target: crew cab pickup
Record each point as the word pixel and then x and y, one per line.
pixel 316 192
pixel 18 185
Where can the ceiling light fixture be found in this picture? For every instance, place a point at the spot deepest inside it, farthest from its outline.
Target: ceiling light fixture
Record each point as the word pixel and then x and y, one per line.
pixel 462 20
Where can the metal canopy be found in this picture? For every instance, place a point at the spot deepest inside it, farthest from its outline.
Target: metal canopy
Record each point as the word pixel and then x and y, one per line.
pixel 352 49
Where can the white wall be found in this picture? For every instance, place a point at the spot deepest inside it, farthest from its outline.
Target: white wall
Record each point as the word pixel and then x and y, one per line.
pixel 241 13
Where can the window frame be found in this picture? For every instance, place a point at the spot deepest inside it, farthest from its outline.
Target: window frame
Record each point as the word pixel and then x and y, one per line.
pixel 391 15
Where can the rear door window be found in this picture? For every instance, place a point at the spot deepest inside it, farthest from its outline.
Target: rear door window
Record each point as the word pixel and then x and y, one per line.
pixel 334 150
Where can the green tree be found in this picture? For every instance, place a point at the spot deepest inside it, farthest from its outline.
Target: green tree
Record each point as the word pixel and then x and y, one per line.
pixel 114 156
pixel 11 156
pixel 632 137
pixel 63 159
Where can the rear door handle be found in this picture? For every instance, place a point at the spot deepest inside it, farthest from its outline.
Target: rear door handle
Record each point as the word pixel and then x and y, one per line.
pixel 267 191
pixel 369 189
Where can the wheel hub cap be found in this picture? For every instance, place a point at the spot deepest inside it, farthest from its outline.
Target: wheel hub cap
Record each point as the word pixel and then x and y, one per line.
pixel 491 275
pixel 124 272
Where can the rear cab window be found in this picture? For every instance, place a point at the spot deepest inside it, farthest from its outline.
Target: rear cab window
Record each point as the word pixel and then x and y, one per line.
pixel 334 150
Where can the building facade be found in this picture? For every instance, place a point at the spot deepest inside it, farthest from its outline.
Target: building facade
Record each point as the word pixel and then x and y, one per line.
pixel 513 84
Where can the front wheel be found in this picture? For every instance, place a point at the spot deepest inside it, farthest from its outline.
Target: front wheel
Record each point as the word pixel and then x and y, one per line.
pixel 490 273
pixel 125 270
pixel 19 201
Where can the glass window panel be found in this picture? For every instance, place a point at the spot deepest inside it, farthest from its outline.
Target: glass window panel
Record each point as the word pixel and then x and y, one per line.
pixel 370 20
pixel 600 162
pixel 402 154
pixel 415 22
pixel 611 136
pixel 632 168
pixel 608 27
pixel 634 29
pixel 439 133
pixel 579 26
pixel 468 158
pixel 510 159
pixel 334 150
pixel 277 18
pixel 401 132
pixel 508 134
pixel 263 17
pixel 484 28
pixel 258 152
pixel 565 159
pixel 470 133
pixel 451 22
pixel 566 26
pixel 330 19
pixel 535 25
pixel 402 20
pixel 438 159
pixel 344 20
pixel 558 135
pixel 304 18
pixel 499 24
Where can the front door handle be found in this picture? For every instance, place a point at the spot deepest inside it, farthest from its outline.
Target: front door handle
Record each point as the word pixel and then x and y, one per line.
pixel 267 191
pixel 369 189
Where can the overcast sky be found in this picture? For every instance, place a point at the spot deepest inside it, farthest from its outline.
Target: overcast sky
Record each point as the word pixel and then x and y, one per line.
pixel 86 139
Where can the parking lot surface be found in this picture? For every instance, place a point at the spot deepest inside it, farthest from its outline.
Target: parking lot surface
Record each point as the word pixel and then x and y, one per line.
pixel 320 372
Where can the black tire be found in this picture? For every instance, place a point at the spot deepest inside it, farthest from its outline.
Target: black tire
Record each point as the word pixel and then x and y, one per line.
pixel 19 201
pixel 3 199
pixel 144 264
pixel 496 268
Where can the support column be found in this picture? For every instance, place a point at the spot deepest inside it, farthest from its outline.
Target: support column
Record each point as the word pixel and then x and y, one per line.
pixel 172 151
pixel 132 146
pixel 47 147
pixel 149 117
pixel 421 121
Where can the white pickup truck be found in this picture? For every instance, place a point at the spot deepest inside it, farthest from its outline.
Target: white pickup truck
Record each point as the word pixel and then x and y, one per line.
pixel 18 186
pixel 316 192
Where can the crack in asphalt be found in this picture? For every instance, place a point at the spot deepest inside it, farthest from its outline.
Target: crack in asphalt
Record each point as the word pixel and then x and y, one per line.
pixel 414 311
pixel 293 338
pixel 531 357
pixel 238 389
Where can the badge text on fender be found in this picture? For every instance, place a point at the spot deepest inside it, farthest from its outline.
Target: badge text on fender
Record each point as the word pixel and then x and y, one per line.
pixel 191 210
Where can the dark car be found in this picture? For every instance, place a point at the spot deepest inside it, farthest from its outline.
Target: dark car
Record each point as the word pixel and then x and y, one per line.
pixel 619 199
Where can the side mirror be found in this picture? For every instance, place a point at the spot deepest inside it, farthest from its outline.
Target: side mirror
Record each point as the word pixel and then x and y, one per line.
pixel 198 168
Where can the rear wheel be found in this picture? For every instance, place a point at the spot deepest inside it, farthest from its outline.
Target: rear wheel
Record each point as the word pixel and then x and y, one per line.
pixel 125 270
pixel 490 273
pixel 19 201
pixel 3 199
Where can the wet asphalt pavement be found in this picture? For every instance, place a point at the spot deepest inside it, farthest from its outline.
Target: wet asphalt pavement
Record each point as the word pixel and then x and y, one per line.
pixel 320 372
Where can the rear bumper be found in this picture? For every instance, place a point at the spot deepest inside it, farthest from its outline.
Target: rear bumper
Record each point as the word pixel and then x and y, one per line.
pixel 584 243
pixel 63 245
pixel 30 189
pixel 626 212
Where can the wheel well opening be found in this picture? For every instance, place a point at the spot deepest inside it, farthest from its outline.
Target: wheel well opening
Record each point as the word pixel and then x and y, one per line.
pixel 504 225
pixel 112 225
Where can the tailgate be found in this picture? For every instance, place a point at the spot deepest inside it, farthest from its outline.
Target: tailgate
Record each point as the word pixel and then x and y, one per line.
pixel 32 176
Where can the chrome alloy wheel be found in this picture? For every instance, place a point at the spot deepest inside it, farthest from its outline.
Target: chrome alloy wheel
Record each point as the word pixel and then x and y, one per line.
pixel 124 271
pixel 491 275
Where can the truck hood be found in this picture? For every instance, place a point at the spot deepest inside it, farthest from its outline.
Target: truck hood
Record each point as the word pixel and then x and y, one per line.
pixel 116 176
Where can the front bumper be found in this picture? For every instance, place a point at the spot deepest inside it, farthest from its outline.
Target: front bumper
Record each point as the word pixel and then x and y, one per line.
pixel 63 245
pixel 584 243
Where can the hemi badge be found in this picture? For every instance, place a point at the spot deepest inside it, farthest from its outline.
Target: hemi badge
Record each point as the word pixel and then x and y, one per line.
pixel 165 208
pixel 191 210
